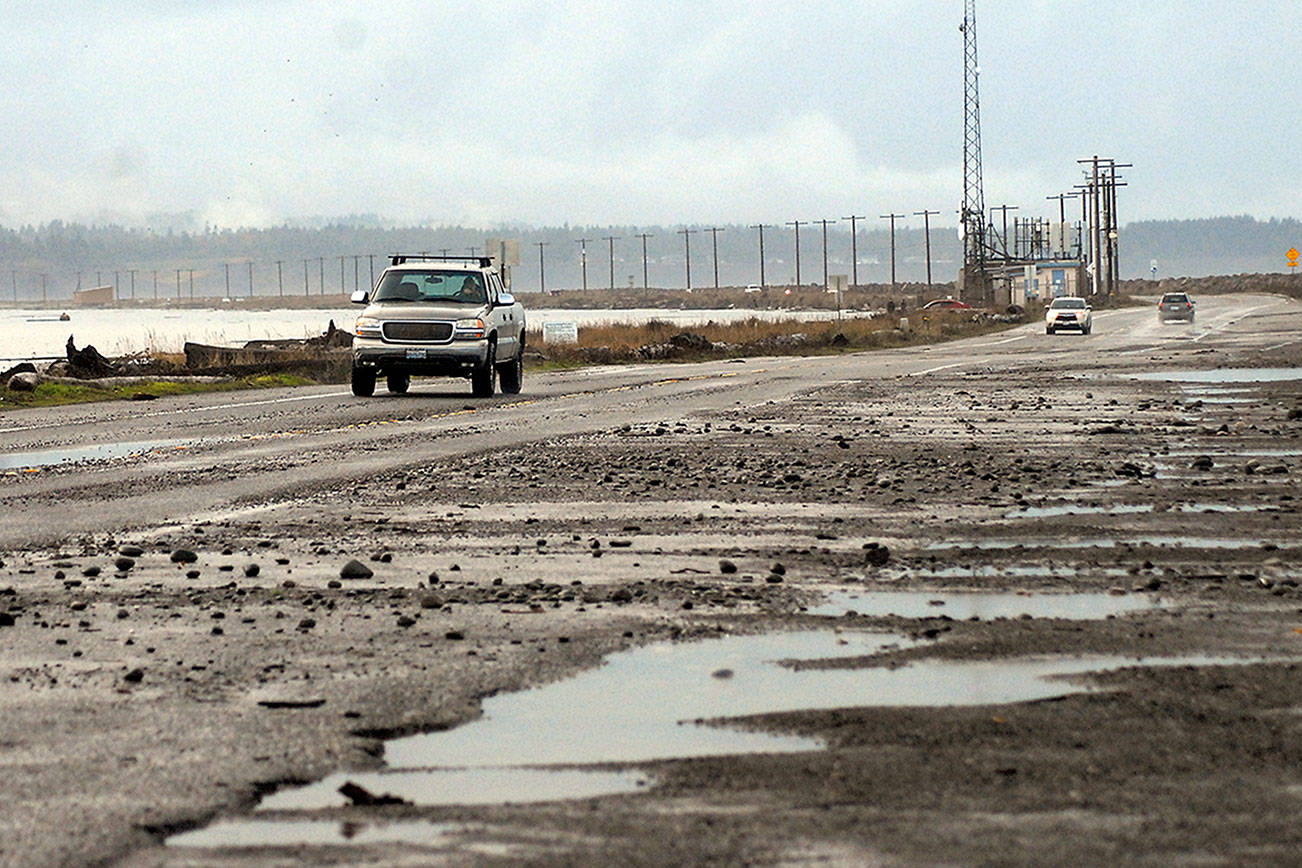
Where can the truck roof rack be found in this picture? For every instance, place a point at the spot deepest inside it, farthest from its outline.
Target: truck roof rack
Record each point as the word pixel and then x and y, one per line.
pixel 401 258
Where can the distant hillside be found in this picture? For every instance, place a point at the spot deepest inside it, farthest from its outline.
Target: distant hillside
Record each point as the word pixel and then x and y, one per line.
pixel 54 260
pixel 1195 248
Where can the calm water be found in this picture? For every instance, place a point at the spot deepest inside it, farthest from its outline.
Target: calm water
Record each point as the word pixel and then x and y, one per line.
pixel 26 334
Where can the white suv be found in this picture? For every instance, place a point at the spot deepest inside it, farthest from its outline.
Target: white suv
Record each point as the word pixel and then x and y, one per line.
pixel 440 316
pixel 1069 313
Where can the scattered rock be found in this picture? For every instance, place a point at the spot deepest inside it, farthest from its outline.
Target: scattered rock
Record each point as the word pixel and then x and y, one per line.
pixel 876 554
pixel 315 702
pixel 355 569
pixel 251 570
pixel 131 551
pixel 1202 462
pixel 6 619
pixel 135 676
pixel 123 564
pixel 727 567
pixel 362 797
pixel 183 556
pixel 24 382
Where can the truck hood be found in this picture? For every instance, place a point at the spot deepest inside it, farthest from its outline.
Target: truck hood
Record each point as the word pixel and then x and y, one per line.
pixel 423 310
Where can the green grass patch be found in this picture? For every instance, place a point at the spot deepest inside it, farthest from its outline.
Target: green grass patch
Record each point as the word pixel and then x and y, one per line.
pixel 49 394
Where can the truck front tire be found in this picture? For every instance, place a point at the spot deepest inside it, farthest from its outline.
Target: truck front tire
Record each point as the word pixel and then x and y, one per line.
pixel 483 382
pixel 363 382
pixel 512 374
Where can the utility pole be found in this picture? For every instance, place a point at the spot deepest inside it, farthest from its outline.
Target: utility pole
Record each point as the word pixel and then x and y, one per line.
pixel 1062 198
pixel 714 237
pixel 280 277
pixel 178 283
pixel 371 259
pixel 542 267
pixel 797 224
pixel 343 285
pixel 306 288
pixel 191 282
pixel 227 266
pixel 926 231
pixel 687 249
pixel 646 284
pixel 761 227
pixel 155 283
pixel 583 260
pixel 1004 238
pixel 43 294
pixel 13 281
pixel 825 223
pixel 356 273
pixel 892 217
pixel 132 272
pixel 854 247
pixel 320 261
pixel 250 278
pixel 610 244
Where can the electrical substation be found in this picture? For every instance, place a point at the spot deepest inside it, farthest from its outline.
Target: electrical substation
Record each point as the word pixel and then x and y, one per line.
pixel 1032 258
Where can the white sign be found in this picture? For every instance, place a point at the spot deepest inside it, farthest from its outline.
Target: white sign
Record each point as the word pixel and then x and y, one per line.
pixel 560 332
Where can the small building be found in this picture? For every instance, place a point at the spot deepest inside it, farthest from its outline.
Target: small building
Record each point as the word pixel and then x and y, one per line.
pixel 1044 280
pixel 100 295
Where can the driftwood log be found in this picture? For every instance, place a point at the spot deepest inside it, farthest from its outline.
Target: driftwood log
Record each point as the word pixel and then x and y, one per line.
pixel 87 362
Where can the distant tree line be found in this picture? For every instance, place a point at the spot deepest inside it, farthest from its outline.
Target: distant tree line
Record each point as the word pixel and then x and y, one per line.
pixel 54 259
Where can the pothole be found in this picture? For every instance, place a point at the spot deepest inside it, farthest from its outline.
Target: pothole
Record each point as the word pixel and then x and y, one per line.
pixel 984 606
pixel 98 452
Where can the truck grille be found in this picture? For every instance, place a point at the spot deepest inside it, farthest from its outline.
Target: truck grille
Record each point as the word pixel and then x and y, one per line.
pixel 426 332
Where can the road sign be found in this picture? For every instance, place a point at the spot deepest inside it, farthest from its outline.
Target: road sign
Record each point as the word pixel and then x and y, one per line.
pixel 1292 257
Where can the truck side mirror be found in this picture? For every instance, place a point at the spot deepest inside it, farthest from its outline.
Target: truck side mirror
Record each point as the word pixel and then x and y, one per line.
pixel 505 299
pixel 361 296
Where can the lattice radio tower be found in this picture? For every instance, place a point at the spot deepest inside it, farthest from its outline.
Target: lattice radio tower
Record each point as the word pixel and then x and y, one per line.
pixel 974 200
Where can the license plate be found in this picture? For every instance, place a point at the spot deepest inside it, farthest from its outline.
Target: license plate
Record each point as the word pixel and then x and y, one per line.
pixel 416 353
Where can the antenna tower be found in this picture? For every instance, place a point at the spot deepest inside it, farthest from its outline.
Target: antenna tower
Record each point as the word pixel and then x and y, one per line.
pixel 974 200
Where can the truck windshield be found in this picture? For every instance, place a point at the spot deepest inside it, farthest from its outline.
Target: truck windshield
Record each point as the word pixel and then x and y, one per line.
pixel 457 287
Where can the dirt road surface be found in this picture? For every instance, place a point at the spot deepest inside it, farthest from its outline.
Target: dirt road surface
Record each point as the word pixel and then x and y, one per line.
pixel 178 638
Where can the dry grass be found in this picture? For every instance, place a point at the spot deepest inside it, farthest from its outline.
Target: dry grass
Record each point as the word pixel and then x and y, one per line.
pixel 658 339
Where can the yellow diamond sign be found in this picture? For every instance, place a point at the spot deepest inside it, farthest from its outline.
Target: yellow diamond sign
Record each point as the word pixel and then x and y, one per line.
pixel 1292 257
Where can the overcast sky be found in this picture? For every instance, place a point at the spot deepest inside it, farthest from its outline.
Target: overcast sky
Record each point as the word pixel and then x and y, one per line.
pixel 251 112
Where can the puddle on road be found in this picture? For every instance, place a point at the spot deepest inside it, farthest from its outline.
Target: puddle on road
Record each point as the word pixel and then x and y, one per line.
pixel 641 705
pixel 99 452
pixel 295 833
pixel 984 606
pixel 1079 509
pixel 464 786
pixel 1225 375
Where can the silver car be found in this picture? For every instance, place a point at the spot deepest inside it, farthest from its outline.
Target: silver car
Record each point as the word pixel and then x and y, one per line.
pixel 1175 305
pixel 1069 313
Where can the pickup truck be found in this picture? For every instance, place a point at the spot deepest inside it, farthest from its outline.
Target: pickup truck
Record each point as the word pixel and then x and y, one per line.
pixel 438 316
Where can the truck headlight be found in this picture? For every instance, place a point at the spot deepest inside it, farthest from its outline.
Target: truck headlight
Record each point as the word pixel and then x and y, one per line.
pixel 367 328
pixel 468 330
